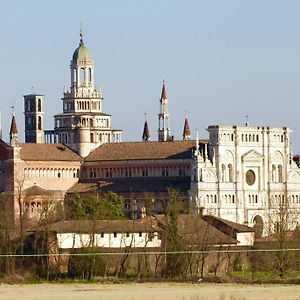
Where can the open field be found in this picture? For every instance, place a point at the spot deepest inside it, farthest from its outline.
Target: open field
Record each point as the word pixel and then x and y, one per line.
pixel 148 291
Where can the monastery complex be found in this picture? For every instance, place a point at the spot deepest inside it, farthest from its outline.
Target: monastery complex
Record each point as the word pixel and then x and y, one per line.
pixel 244 174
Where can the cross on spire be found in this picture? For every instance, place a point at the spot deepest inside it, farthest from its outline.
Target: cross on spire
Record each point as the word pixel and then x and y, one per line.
pixel 81 34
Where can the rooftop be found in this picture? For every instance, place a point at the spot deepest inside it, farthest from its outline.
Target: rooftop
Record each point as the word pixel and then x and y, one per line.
pixel 47 152
pixel 142 151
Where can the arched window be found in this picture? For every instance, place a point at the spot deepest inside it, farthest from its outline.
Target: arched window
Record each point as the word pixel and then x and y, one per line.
pixel 39 123
pixel 39 105
pixel 280 179
pixel 273 173
pixel 82 76
pixel 90 75
pixel 230 172
pixel 223 175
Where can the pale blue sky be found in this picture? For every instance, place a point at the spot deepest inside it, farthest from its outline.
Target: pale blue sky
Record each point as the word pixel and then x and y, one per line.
pixel 220 59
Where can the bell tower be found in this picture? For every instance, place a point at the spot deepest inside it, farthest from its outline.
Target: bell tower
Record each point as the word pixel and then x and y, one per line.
pixel 82 125
pixel 33 111
pixel 163 117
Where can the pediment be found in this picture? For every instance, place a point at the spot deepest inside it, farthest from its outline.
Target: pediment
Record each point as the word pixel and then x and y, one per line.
pixel 209 176
pixel 294 176
pixel 252 155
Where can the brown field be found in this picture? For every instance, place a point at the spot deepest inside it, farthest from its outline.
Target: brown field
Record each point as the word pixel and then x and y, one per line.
pixel 148 291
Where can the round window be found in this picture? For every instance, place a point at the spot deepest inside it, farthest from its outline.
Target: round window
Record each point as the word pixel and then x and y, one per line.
pixel 250 177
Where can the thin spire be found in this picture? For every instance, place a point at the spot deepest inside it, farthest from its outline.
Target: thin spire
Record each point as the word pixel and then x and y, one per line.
pixel 163 91
pixel 146 133
pixel 186 135
pixel 197 142
pixel 13 133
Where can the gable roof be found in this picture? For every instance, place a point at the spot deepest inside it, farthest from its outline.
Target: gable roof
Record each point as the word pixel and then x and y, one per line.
pixel 142 151
pixel 47 152
pixel 228 227
pixel 197 232
pixel 36 190
pixel 108 226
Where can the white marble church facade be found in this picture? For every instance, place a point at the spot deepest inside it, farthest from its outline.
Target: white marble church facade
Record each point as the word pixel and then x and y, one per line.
pixel 247 175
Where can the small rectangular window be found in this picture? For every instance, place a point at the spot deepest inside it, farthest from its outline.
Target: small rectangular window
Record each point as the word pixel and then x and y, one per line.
pixel 115 234
pixel 140 234
pixel 102 234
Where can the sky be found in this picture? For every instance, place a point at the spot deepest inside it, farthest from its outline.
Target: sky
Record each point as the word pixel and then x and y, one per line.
pixel 220 59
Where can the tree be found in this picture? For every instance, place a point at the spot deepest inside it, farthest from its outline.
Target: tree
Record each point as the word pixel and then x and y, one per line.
pixel 97 206
pixel 173 263
pixel 7 246
pixel 93 206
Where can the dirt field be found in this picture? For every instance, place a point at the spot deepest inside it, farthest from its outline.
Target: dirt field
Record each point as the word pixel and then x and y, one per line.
pixel 148 291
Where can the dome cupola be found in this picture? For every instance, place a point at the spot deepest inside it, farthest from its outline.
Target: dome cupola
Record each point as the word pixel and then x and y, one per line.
pixel 81 54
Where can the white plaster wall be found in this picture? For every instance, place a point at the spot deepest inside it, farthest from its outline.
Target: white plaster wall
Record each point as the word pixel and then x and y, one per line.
pixel 245 238
pixel 76 240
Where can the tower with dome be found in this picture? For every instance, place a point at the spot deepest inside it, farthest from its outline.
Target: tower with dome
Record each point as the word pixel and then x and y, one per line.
pixel 82 125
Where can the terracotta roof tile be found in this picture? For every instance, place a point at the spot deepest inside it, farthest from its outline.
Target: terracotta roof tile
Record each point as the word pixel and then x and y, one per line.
pixel 142 151
pixel 108 226
pixel 47 152
pixel 226 225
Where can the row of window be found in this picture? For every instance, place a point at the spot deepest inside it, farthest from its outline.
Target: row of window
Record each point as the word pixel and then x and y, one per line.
pixel 227 173
pixel 33 207
pixel 34 106
pixel 51 173
pixel 85 122
pixel 253 199
pixel 248 137
pixel 294 199
pixel 228 199
pixel 137 172
pixel 279 199
pixel 31 123
pixel 83 75
pixel 277 173
pixel 148 236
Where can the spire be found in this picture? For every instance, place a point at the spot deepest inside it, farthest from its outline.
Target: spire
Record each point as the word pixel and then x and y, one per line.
pixel 163 92
pixel 197 152
pixel 13 133
pixel 146 134
pixel 186 135
pixel 163 117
